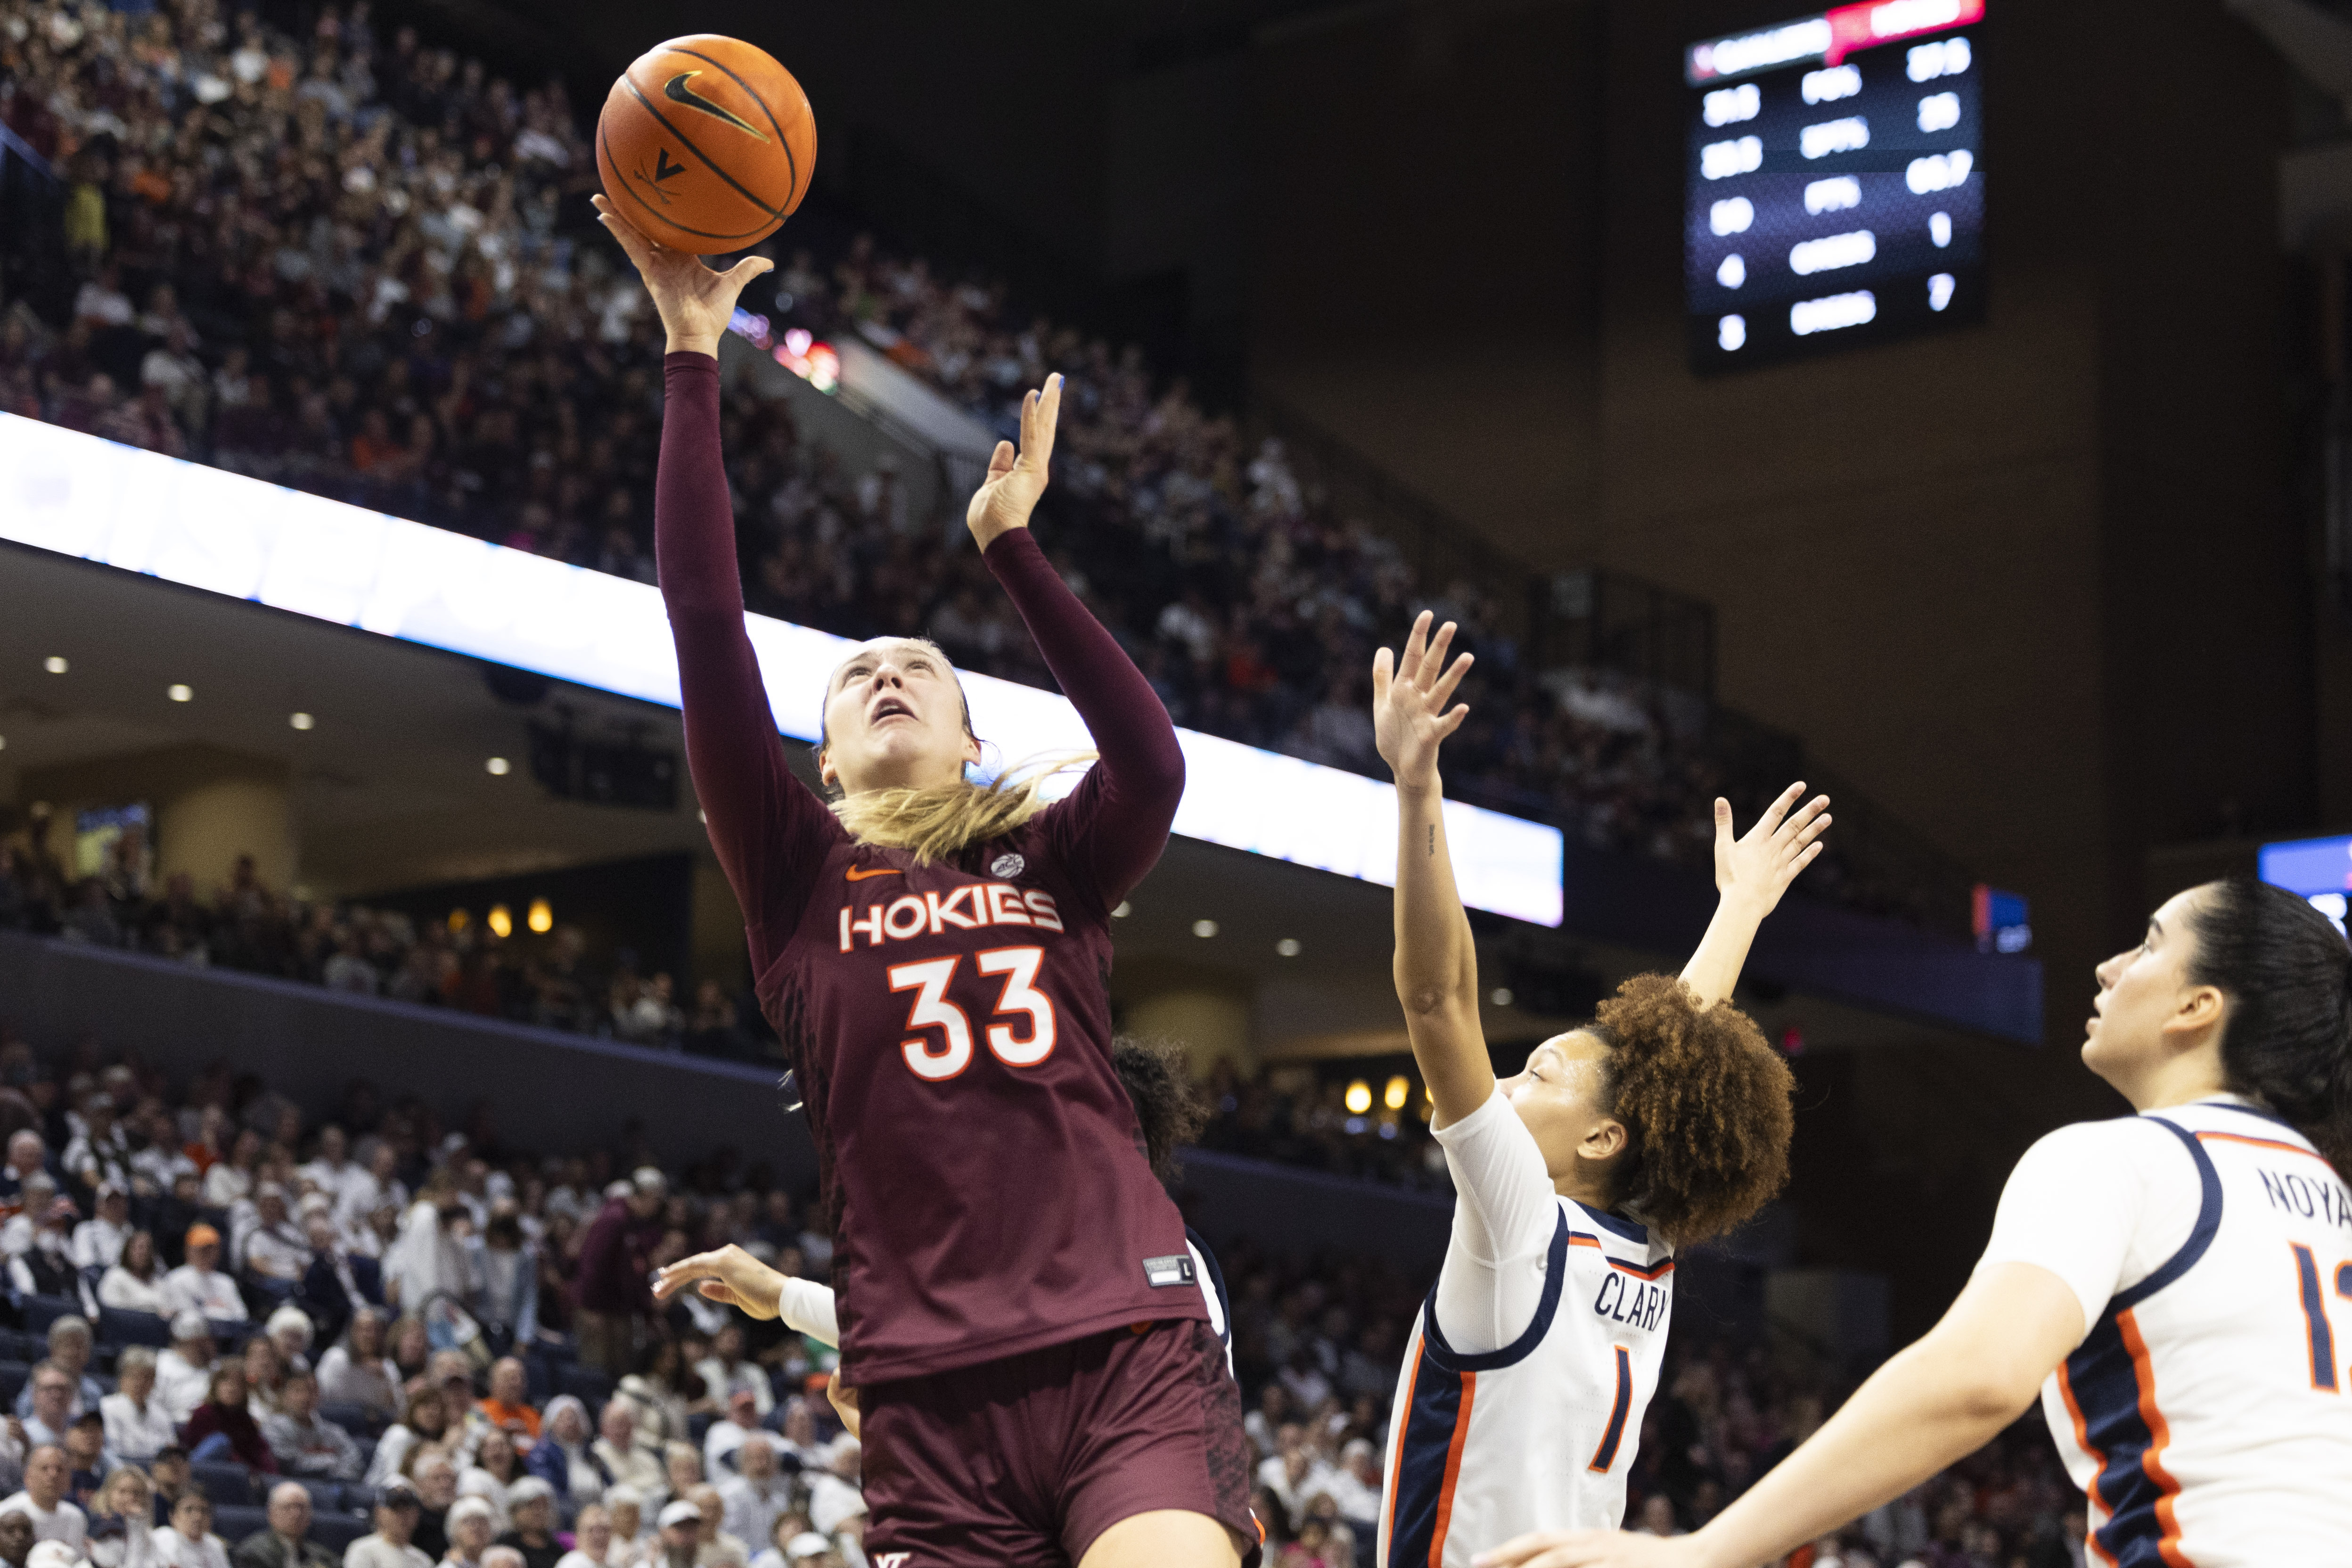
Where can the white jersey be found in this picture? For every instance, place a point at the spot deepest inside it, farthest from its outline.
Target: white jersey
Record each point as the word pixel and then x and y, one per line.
pixel 2207 1411
pixel 1539 1431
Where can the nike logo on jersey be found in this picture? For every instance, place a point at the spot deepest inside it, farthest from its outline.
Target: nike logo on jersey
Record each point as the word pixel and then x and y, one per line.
pixel 676 92
pixel 856 874
pixel 929 915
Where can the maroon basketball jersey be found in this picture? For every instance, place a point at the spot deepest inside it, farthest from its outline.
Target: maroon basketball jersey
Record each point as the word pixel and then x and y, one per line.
pixel 949 1023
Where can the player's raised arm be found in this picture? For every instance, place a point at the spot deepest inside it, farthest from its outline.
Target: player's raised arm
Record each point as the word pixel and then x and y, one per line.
pixel 763 823
pixel 1436 960
pixel 1750 875
pixel 1118 816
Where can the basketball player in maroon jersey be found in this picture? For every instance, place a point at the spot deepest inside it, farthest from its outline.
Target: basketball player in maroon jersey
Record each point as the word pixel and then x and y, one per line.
pixel 1037 1376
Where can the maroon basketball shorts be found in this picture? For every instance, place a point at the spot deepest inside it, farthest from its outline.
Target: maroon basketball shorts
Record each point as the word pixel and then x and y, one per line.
pixel 1023 1462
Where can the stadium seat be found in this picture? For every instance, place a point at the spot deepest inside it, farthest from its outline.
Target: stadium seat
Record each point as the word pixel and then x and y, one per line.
pixel 117 1327
pixel 40 1311
pixel 538 1377
pixel 13 1374
pixel 15 1346
pixel 697 1425
pixel 586 1385
pixel 229 1486
pixel 336 1532
pixel 234 1524
pixel 362 1421
pixel 326 1497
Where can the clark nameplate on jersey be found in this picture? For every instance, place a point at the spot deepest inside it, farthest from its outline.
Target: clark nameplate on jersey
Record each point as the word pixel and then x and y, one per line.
pixel 1835 179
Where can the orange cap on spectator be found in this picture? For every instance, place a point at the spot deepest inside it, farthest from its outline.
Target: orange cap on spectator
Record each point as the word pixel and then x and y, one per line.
pixel 202 1235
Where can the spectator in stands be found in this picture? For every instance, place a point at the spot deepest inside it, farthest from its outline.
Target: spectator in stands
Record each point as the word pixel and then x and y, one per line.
pixel 592 1540
pixel 138 1426
pixel 727 1434
pixel 392 1544
pixel 727 1369
pixel 621 1456
pixel 331 1288
pixel 508 1405
pixel 222 1428
pixel 752 1500
pixel 330 1170
pixel 52 1391
pixel 274 1251
pixel 27 1156
pixel 122 1521
pixel 470 1533
pixel 492 1474
pixel 563 1457
pixel 435 1475
pixel 184 1371
pixel 504 1296
pixel 679 1544
pixel 633 1533
pixel 424 1420
pixel 264 1375
pixel 306 1442
pixel 714 1546
pixel 615 1262
pixel 357 1372
pixel 98 1242
pixel 71 1344
pixel 16 1537
pixel 531 1505
pixel 429 1258
pixel 410 1347
pixel 229 1182
pixel 198 1284
pixel 34 1193
pixel 45 1267
pixel 101 1154
pixel 285 1541
pixel 188 1542
pixel 44 1499
pixel 86 1457
pixel 657 1396
pixel 836 1503
pixel 169 1474
pixel 135 1282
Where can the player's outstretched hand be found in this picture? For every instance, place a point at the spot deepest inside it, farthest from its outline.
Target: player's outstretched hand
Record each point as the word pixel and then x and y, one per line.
pixel 696 303
pixel 1759 867
pixel 1593 1549
pixel 1017 478
pixel 731 1275
pixel 845 1403
pixel 1410 717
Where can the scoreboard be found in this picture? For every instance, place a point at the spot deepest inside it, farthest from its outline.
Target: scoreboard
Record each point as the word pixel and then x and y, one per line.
pixel 1835 182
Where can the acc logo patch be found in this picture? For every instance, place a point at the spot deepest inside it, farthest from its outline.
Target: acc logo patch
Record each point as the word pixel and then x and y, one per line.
pixel 1007 866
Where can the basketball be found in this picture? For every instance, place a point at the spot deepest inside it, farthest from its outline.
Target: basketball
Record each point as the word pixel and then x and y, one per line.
pixel 706 144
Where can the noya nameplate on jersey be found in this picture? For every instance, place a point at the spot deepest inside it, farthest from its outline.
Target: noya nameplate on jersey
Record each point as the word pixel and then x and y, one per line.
pixel 974 904
pixel 2309 1196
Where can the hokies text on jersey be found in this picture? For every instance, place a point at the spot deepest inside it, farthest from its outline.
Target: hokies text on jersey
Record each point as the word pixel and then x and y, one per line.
pixel 931 913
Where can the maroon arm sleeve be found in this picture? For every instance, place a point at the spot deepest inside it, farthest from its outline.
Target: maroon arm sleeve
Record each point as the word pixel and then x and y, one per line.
pixel 771 832
pixel 1115 824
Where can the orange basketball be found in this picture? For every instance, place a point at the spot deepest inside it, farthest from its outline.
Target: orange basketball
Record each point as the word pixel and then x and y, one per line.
pixel 706 143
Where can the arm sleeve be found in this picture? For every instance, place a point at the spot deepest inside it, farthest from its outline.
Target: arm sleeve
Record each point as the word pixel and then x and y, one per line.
pixel 769 831
pixel 1504 1210
pixel 2078 1203
pixel 1115 824
pixel 806 1308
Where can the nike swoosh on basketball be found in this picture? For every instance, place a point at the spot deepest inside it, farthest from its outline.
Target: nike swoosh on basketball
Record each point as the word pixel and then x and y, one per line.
pixel 855 875
pixel 676 92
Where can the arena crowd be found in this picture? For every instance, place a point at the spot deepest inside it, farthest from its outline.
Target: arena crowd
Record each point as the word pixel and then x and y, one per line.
pixel 244 1332
pixel 362 267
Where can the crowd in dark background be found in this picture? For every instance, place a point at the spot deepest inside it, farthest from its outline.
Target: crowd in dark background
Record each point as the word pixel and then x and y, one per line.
pixel 361 267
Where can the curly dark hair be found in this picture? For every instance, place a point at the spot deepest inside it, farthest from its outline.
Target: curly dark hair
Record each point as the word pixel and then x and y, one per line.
pixel 1704 1101
pixel 1159 1078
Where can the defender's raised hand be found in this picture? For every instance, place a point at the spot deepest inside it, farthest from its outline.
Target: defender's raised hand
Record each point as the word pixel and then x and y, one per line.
pixel 1759 867
pixel 696 303
pixel 729 1275
pixel 1016 480
pixel 1410 717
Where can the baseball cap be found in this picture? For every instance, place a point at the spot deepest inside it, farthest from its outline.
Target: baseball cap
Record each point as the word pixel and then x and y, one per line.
pixel 202 1235
pixel 808 1544
pixel 679 1513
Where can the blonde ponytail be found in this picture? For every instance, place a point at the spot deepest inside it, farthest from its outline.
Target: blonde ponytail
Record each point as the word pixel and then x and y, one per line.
pixel 938 822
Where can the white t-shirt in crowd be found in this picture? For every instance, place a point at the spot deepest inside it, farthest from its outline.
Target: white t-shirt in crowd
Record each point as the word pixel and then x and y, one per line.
pixel 375 1551
pixel 135 1433
pixel 213 1293
pixel 64 1522
pixel 177 1551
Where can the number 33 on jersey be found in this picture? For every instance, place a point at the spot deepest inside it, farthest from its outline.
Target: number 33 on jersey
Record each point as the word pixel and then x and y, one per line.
pixel 1019 1027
